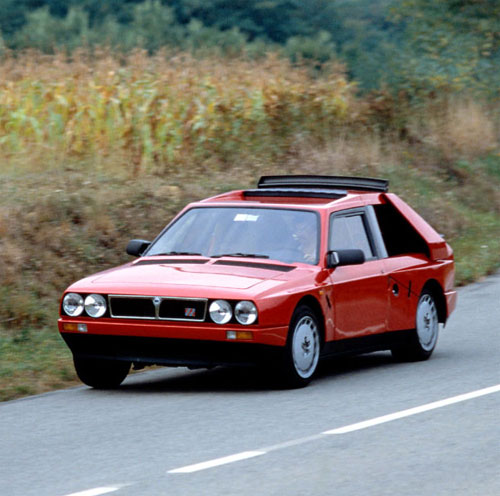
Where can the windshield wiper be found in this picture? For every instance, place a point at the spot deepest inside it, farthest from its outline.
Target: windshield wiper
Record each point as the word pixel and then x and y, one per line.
pixel 247 255
pixel 175 253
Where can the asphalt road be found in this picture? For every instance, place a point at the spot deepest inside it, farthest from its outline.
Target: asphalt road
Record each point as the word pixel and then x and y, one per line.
pixel 145 438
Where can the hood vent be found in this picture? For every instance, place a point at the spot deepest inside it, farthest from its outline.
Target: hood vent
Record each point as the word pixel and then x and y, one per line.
pixel 171 261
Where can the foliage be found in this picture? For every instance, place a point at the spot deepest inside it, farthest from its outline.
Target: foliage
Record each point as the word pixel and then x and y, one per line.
pixel 452 45
pixel 274 20
pixel 366 40
pixel 45 32
pixel 204 40
pixel 318 49
pixel 154 25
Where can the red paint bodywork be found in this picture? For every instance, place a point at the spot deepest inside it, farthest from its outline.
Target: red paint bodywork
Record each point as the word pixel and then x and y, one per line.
pixel 355 301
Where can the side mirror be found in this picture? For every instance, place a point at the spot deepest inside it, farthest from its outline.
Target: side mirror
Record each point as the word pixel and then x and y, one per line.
pixel 344 257
pixel 137 247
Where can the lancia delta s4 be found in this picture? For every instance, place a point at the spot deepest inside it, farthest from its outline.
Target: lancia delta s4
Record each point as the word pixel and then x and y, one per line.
pixel 280 276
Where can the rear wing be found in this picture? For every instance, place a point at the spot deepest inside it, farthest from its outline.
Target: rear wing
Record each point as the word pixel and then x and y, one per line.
pixel 325 182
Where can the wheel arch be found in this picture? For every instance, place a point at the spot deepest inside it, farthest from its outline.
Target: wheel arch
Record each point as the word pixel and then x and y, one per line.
pixel 437 292
pixel 315 306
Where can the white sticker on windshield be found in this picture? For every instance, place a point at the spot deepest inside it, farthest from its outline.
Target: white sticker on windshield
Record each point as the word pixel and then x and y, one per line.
pixel 245 218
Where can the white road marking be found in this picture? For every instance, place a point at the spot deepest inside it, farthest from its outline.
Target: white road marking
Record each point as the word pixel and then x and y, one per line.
pixel 414 411
pixel 340 430
pixel 97 491
pixel 216 462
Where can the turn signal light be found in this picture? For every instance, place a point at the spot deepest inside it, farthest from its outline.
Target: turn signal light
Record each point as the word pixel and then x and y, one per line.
pixel 69 326
pixel 244 335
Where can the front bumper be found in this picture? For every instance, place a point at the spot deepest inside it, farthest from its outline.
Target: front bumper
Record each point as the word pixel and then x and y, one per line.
pixel 171 352
pixel 172 343
pixel 451 301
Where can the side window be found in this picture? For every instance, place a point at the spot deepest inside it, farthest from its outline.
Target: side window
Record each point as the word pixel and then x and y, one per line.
pixel 349 232
pixel 399 235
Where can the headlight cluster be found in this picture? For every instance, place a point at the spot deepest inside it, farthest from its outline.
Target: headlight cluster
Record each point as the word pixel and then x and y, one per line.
pixel 221 312
pixel 94 305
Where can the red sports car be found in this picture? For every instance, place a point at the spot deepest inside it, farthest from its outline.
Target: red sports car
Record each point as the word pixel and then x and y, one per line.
pixel 300 268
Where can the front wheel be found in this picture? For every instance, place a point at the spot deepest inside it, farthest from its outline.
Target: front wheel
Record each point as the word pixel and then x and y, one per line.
pixel 101 374
pixel 302 350
pixel 424 337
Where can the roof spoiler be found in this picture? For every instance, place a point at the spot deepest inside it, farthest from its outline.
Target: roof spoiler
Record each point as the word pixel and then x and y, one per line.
pixel 324 182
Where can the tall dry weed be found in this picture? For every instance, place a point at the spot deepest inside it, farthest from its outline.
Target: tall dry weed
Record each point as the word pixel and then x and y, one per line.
pixel 460 129
pixel 348 153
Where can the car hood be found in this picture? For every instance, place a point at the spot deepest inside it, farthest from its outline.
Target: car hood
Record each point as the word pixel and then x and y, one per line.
pixel 201 278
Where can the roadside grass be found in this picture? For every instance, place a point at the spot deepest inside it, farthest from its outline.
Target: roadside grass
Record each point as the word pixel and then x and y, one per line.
pixel 33 361
pixel 477 250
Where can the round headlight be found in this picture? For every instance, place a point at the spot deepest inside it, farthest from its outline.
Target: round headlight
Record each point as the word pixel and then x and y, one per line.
pixel 95 305
pixel 245 312
pixel 220 311
pixel 73 304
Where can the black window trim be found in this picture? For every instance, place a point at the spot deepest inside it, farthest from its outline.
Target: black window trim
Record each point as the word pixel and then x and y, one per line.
pixel 371 228
pixel 371 218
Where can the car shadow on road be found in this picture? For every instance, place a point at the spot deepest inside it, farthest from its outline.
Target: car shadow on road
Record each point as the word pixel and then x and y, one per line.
pixel 247 379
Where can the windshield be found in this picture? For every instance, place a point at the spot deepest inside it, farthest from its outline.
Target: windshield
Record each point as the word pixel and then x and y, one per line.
pixel 279 234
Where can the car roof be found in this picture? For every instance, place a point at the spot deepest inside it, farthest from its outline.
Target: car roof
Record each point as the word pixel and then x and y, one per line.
pixel 306 191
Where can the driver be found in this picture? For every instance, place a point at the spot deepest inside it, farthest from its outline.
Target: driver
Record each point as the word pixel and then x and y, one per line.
pixel 306 239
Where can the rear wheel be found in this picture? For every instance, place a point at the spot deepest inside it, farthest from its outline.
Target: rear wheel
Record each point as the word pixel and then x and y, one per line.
pixel 302 350
pixel 424 337
pixel 101 374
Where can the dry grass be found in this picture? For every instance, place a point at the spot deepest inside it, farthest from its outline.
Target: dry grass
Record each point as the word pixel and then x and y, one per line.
pixel 459 128
pixel 468 131
pixel 346 153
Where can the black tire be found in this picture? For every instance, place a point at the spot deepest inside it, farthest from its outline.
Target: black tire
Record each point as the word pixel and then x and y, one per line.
pixel 302 351
pixel 101 374
pixel 423 338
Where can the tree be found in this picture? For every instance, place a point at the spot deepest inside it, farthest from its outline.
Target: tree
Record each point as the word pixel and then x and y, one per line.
pixel 154 25
pixel 319 49
pixel 12 14
pixel 46 32
pixel 450 44
pixel 275 20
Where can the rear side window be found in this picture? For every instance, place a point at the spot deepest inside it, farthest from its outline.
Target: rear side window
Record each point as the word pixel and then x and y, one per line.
pixel 399 235
pixel 349 232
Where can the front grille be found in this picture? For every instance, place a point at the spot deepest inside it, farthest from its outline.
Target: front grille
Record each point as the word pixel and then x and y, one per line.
pixel 141 308
pixel 175 309
pixel 158 308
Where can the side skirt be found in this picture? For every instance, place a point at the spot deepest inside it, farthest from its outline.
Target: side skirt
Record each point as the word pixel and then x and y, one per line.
pixel 366 344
